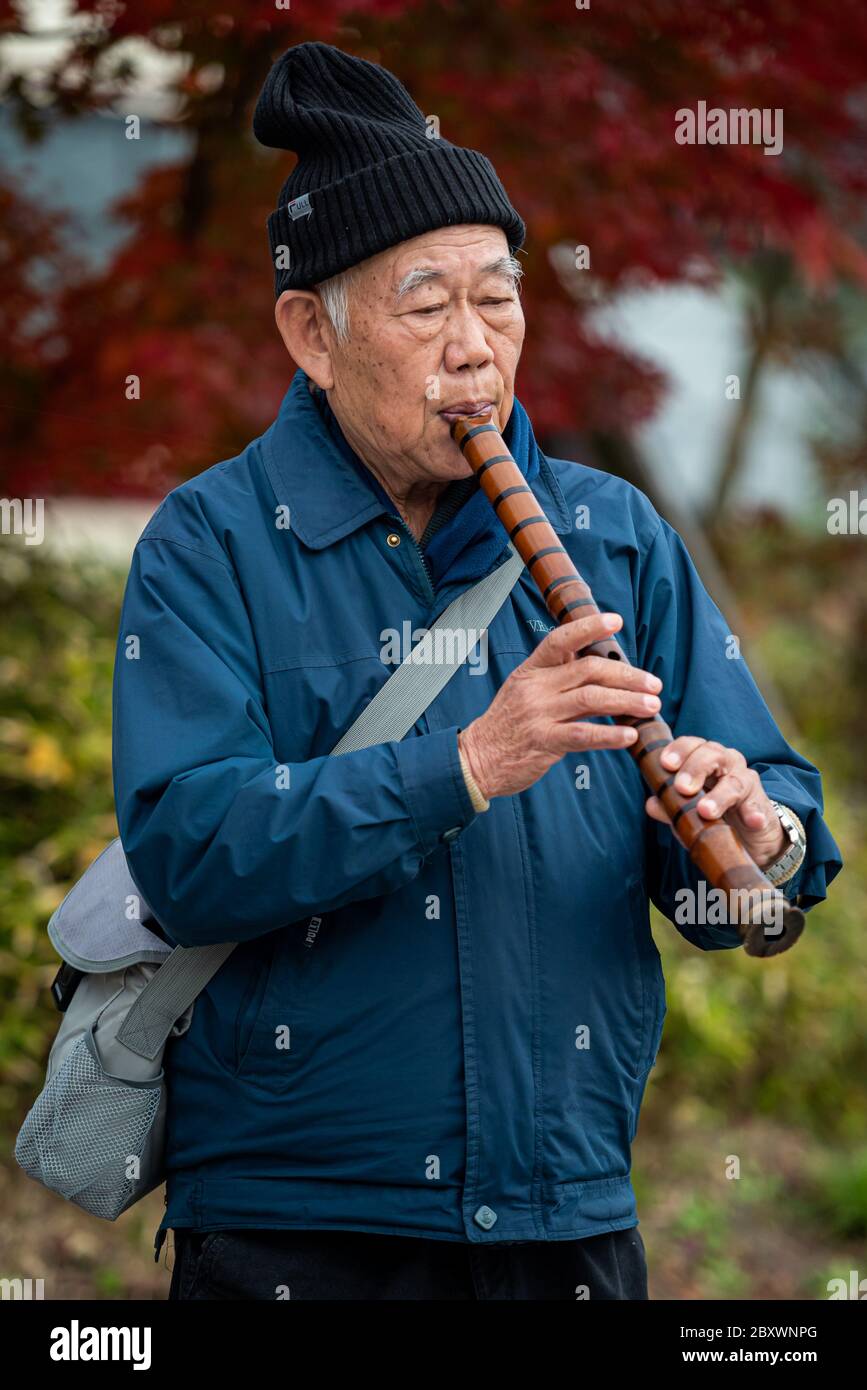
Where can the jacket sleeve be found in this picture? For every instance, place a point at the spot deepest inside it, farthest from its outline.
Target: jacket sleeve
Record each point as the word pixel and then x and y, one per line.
pixel 708 691
pixel 225 842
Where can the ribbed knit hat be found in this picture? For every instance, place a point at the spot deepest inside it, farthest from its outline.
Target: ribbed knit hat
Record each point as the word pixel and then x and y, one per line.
pixel 368 175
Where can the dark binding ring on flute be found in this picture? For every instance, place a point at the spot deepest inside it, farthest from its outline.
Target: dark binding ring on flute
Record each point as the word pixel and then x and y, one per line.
pixel 766 920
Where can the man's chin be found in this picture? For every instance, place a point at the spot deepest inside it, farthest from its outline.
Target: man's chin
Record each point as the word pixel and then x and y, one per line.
pixel 448 464
pixel 445 459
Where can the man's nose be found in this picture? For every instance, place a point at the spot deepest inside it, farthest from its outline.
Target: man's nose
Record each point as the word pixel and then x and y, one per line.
pixel 467 344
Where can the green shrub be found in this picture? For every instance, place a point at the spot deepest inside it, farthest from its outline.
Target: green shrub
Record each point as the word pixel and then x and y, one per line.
pixel 56 658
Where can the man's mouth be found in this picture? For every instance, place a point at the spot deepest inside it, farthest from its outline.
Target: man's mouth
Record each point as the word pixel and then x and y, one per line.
pixel 454 412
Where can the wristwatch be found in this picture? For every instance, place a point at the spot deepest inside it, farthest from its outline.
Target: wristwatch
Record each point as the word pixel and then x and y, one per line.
pixel 787 865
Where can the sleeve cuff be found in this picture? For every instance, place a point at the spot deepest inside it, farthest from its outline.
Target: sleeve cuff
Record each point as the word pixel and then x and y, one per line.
pixel 437 794
pixel 822 861
pixel 480 802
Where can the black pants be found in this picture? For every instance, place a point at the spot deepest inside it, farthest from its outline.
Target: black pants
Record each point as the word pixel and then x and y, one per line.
pixel 281 1264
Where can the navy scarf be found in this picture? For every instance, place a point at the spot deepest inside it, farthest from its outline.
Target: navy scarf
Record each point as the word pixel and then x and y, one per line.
pixel 466 544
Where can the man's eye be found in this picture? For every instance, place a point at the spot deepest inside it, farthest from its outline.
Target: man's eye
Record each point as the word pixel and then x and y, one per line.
pixel 507 300
pixel 430 309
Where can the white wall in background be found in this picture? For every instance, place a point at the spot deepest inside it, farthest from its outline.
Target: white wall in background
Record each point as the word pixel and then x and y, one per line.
pixel 106 528
pixel 696 337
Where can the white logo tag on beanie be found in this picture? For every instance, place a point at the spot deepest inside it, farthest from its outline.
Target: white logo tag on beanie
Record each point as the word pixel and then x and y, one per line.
pixel 300 207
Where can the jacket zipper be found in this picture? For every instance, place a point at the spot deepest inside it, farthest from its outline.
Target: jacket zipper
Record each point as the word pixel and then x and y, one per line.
pixel 420 553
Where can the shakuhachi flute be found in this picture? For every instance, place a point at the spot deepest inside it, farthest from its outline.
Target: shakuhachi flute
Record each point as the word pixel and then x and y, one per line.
pixel 766 920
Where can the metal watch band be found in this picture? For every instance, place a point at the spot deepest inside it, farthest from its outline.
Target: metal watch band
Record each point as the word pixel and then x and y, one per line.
pixel 791 859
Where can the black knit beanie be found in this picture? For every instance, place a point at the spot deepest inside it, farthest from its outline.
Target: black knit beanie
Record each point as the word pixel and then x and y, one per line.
pixel 368 176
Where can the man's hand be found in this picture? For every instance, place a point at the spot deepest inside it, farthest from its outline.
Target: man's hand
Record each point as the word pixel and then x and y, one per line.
pixel 735 793
pixel 536 717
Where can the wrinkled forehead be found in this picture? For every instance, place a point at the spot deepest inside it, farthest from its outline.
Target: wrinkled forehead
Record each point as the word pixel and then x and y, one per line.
pixel 458 256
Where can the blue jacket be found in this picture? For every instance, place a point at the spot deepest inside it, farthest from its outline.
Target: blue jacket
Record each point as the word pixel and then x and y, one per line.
pixel 399 1042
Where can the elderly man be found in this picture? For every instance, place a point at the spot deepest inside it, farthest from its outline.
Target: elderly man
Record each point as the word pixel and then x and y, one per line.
pixel 418 1075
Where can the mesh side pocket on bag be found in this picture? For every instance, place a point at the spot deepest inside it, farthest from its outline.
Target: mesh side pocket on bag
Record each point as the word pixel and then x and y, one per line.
pixel 82 1130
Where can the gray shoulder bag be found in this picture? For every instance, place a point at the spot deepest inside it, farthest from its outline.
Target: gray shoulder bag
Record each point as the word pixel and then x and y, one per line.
pixel 96 1132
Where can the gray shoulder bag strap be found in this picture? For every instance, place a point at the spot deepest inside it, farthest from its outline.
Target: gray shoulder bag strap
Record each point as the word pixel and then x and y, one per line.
pixel 389 716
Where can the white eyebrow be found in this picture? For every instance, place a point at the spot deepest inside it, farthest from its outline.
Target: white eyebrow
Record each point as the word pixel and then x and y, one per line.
pixel 415 278
pixel 503 265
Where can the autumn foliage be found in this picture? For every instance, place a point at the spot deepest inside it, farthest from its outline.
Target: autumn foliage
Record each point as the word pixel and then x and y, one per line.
pixel 576 108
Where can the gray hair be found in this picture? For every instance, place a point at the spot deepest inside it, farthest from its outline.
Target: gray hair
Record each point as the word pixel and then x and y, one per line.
pixel 335 291
pixel 334 294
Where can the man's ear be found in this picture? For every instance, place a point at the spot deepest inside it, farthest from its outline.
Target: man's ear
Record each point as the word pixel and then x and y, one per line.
pixel 301 321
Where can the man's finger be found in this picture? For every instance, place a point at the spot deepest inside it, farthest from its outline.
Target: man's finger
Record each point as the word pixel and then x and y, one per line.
pixel 723 796
pixel 680 748
pixel 618 675
pixel 655 809
pixel 755 809
pixel 703 762
pixel 575 737
pixel 562 643
pixel 603 702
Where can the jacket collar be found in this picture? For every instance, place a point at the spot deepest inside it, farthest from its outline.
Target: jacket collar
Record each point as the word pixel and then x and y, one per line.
pixel 327 498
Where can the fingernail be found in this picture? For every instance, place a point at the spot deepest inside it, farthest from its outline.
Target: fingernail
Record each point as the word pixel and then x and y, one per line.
pixel 650 702
pixel 708 805
pixel 684 783
pixel 611 620
pixel 654 683
pixel 671 759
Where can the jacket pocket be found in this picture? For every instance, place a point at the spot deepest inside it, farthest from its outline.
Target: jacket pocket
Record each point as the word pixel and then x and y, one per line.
pixel 652 980
pixel 251 1005
pixel 653 1006
pixel 267 1037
